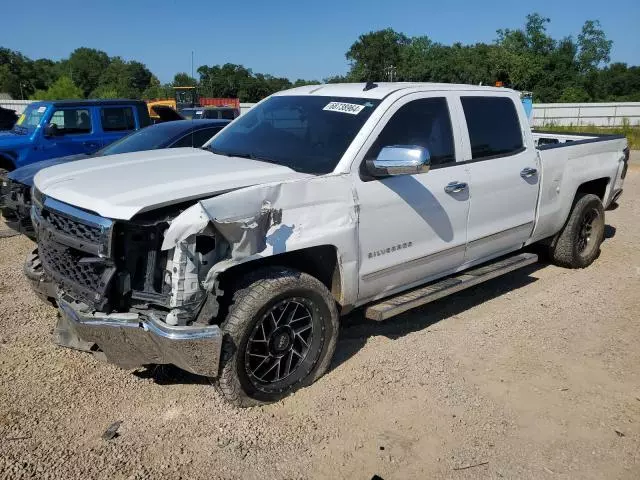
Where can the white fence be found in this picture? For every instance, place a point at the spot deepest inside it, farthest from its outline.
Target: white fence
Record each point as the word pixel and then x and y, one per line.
pixel 245 107
pixel 596 114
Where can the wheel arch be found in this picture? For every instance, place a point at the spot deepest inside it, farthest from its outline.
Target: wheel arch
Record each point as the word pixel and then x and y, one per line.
pixel 321 262
pixel 597 187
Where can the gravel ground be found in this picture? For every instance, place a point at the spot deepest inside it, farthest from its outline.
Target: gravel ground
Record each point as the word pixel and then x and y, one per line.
pixel 533 375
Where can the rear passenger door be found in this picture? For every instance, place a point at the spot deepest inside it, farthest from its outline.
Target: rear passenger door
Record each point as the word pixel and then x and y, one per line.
pixel 503 173
pixel 116 122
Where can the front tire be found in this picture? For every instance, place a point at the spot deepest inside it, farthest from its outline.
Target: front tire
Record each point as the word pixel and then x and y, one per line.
pixel 279 335
pixel 578 243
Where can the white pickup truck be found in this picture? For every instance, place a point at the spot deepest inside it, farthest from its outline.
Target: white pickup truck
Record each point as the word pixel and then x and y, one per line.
pixel 237 260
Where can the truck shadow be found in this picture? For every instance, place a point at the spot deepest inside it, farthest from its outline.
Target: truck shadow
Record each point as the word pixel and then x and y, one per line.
pixel 170 375
pixel 356 329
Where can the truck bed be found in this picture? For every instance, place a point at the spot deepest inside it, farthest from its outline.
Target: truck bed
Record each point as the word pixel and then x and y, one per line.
pixel 544 139
pixel 568 160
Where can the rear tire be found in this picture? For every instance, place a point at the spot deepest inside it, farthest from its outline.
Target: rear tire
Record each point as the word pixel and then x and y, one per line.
pixel 279 335
pixel 577 245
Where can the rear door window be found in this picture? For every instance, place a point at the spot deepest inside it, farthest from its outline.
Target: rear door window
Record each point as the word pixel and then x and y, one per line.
pixel 117 119
pixel 72 120
pixel 494 128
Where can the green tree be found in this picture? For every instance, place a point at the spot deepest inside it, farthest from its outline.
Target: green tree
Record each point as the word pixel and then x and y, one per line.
pixel 154 90
pixel 62 89
pixel 183 79
pixel 14 74
pixel 301 82
pixel 375 56
pixel 337 79
pixel 524 53
pixel 43 73
pixel 85 67
pixel 106 91
pixel 123 79
pixel 574 94
pixel 594 46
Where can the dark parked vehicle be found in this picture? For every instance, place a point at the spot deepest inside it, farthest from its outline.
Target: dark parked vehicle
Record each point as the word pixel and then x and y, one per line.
pixel 7 118
pixel 15 190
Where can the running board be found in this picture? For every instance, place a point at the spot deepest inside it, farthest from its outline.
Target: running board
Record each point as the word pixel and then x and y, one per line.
pixel 388 308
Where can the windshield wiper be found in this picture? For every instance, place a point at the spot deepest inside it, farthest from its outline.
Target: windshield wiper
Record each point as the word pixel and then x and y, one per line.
pixel 19 129
pixel 250 156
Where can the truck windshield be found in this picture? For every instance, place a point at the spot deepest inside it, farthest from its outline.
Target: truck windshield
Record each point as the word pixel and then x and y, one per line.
pixel 308 134
pixel 30 118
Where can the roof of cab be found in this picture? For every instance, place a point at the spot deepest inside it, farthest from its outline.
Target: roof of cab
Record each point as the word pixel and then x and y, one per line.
pixel 382 89
pixel 80 103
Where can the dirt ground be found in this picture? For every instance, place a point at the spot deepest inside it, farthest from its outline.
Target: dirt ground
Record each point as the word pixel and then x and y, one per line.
pixel 533 375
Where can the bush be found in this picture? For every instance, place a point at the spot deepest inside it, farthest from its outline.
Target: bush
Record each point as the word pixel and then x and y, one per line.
pixel 62 89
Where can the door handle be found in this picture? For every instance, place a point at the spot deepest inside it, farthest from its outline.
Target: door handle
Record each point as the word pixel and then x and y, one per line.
pixel 528 172
pixel 455 187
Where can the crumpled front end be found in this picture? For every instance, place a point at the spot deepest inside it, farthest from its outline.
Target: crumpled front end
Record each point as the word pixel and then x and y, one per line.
pixel 148 290
pixel 118 293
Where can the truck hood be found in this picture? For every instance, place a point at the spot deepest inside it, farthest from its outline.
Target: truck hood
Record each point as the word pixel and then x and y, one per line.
pixel 123 185
pixel 25 174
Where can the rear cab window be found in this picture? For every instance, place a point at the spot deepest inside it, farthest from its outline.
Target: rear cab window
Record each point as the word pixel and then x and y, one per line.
pixel 72 120
pixel 493 125
pixel 117 119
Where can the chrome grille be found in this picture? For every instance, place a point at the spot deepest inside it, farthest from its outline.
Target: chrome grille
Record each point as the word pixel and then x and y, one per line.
pixel 75 248
pixel 85 278
pixel 72 227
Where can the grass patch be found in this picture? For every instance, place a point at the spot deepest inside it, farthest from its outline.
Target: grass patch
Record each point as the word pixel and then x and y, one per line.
pixel 631 132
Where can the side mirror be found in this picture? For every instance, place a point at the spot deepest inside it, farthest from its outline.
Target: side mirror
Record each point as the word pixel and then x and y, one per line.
pixel 51 130
pixel 400 160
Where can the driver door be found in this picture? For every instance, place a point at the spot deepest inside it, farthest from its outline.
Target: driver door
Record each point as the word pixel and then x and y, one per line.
pixel 413 227
pixel 75 133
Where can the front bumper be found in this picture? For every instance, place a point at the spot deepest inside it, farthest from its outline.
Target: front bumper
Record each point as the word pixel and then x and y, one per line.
pixel 132 340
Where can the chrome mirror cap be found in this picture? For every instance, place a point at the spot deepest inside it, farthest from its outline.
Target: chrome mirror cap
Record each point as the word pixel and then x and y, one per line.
pixel 400 160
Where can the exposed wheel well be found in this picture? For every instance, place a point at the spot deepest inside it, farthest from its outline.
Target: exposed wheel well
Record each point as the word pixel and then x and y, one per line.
pixel 597 187
pixel 320 262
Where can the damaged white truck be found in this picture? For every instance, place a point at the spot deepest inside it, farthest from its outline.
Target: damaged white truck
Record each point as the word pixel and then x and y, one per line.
pixel 237 260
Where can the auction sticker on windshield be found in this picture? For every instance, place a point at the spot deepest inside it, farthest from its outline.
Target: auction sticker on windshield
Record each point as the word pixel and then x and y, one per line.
pixel 350 108
pixel 20 119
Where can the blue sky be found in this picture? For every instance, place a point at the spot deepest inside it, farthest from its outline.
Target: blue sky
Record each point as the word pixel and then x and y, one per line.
pixel 295 39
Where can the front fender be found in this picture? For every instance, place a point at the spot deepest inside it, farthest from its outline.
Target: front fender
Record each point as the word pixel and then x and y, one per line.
pixel 271 219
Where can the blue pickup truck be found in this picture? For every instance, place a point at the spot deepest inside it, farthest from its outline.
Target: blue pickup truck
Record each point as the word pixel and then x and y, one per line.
pixel 68 127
